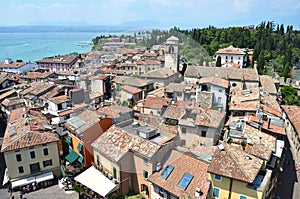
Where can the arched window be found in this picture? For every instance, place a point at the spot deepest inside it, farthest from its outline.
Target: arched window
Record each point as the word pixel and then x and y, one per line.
pixel 171 49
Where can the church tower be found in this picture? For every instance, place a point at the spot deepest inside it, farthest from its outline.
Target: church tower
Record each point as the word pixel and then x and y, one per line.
pixel 172 53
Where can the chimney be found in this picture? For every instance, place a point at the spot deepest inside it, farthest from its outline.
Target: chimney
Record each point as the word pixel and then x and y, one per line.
pixel 260 138
pixel 269 123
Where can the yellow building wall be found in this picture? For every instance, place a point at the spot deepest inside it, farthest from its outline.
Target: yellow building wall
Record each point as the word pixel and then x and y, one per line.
pixel 222 185
pixel 238 188
pixel 107 164
pixel 12 164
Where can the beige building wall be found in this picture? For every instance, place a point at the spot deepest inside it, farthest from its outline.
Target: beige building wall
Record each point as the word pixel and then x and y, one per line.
pixel 293 139
pixel 13 165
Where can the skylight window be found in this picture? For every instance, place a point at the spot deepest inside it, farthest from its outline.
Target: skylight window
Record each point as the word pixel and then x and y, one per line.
pixel 166 172
pixel 185 181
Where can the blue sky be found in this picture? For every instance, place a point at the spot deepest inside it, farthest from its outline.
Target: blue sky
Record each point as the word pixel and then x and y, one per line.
pixel 168 13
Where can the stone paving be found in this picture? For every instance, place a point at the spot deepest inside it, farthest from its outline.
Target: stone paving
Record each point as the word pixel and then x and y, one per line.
pixel 53 192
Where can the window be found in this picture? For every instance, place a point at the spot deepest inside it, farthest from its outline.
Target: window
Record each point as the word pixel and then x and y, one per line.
pixel 32 154
pixel 203 133
pixel 19 157
pixel 145 160
pixel 219 100
pixel 115 172
pixel 34 168
pixel 185 181
pixel 166 172
pixel 218 177
pixel 98 160
pixel 47 163
pixel 216 192
pixel 220 90
pixel 243 197
pixel 145 189
pixel 183 130
pixel 145 174
pixel 45 151
pixel 21 169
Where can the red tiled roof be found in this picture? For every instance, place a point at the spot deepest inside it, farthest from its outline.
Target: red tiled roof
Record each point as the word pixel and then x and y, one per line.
pixel 273 128
pixel 22 133
pixel 150 54
pixel 60 99
pixel 116 142
pixel 231 50
pixel 156 103
pixel 12 65
pixel 131 89
pixel 233 162
pixel 174 112
pixel 184 164
pixel 209 117
pixel 293 114
pixel 214 81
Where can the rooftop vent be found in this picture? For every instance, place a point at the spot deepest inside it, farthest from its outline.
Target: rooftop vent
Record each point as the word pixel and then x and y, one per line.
pixel 221 147
pixel 158 166
pixel 198 192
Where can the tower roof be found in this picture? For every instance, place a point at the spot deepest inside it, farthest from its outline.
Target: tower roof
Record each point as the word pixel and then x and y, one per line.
pixel 172 38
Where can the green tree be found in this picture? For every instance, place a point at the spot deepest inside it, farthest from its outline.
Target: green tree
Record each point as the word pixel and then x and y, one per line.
pixel 289 95
pixel 261 63
pixel 218 63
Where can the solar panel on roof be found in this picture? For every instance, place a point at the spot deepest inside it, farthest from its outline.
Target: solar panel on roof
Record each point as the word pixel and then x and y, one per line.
pixel 166 172
pixel 185 181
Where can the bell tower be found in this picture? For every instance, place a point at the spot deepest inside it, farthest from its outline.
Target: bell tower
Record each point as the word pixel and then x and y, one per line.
pixel 172 53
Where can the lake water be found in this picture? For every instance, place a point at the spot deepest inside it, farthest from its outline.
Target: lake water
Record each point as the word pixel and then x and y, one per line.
pixel 35 46
pixel 298 74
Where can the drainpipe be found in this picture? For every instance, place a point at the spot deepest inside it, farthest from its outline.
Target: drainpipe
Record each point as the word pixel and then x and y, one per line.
pixel 230 189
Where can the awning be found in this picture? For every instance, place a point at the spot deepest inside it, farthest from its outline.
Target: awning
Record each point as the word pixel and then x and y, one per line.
pixel 44 177
pixel 68 139
pixel 79 146
pixel 21 182
pixel 96 181
pixel 80 159
pixel 72 156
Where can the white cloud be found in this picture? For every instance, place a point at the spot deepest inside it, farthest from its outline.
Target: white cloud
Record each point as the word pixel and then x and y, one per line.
pixel 242 5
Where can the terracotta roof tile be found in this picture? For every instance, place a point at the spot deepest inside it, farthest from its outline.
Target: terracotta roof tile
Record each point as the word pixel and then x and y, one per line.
pixel 184 164
pixel 214 81
pixel 131 81
pixel 116 142
pixel 12 101
pixel 174 112
pixel 233 162
pixel 113 111
pixel 59 99
pixel 247 74
pixel 231 51
pixel 209 117
pixel 293 114
pixel 36 75
pixel 131 89
pixel 66 59
pixel 19 135
pixel 262 144
pixel 12 65
pixel 267 84
pixel 37 88
pixel 159 73
pixel 156 103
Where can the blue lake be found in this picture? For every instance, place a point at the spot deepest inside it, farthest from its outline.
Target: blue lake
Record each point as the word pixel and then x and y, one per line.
pixel 34 46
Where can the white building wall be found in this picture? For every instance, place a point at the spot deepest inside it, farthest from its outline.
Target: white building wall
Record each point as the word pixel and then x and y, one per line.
pixel 237 59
